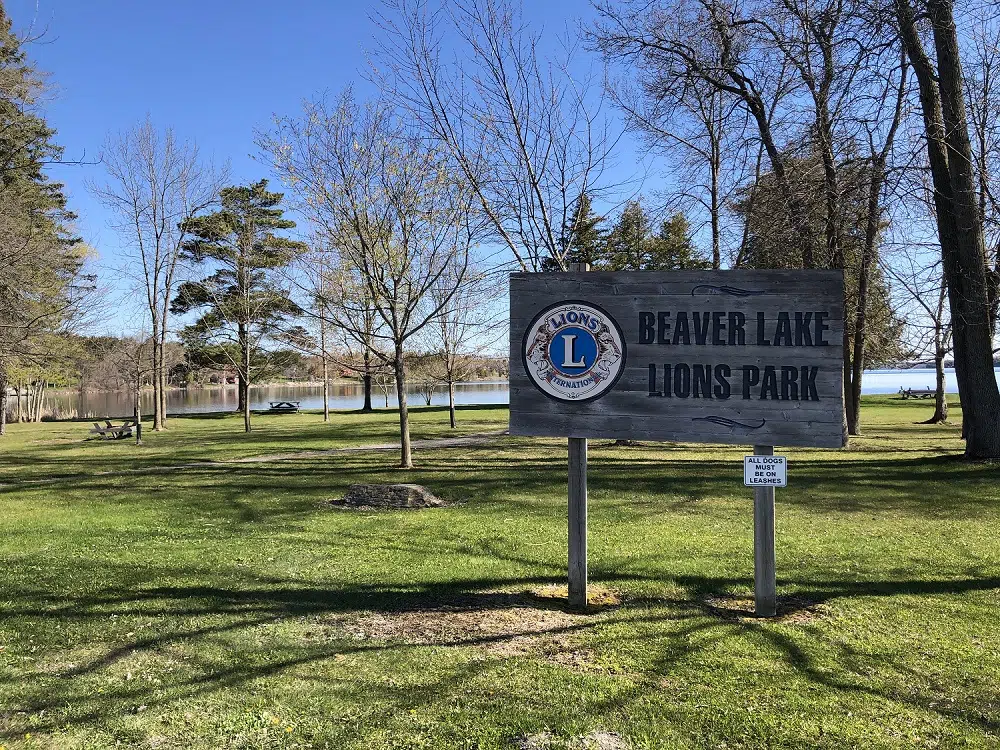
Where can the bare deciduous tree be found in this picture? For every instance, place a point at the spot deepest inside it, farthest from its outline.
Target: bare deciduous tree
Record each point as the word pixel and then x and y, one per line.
pixel 526 135
pixel 813 77
pixel 340 312
pixel 401 220
pixel 155 183
pixel 922 284
pixel 132 361
pixel 468 324
pixel 706 40
pixel 957 212
pixel 982 87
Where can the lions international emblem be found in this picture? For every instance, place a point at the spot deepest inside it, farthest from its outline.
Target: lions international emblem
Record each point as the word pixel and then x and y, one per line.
pixel 574 351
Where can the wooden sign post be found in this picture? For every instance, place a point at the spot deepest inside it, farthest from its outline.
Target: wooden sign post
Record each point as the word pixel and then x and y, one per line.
pixel 578 523
pixel 765 583
pixel 738 357
pixel 577 509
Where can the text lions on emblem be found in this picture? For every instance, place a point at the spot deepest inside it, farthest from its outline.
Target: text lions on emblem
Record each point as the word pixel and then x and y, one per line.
pixel 573 351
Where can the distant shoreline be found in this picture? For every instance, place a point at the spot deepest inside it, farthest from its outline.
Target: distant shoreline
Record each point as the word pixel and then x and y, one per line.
pixel 270 384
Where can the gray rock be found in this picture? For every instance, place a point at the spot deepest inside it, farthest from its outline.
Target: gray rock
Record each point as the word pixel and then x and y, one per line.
pixel 388 496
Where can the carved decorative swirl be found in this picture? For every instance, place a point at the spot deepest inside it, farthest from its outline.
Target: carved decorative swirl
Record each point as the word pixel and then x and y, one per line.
pixel 726 422
pixel 734 291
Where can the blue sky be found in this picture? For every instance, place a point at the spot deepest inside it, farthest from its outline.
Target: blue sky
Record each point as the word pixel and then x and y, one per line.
pixel 213 70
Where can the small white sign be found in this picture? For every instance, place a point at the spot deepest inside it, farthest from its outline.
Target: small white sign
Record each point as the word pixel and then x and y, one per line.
pixel 765 471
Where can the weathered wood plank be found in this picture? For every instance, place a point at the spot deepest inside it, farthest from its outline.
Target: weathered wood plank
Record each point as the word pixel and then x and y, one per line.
pixel 734 432
pixel 752 347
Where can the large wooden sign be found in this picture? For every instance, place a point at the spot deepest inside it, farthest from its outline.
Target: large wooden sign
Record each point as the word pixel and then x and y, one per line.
pixel 746 357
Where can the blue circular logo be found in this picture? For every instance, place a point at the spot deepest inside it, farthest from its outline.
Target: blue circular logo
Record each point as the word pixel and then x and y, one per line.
pixel 573 350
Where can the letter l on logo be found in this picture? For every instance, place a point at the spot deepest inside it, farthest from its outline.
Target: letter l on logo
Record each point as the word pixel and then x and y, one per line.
pixel 569 352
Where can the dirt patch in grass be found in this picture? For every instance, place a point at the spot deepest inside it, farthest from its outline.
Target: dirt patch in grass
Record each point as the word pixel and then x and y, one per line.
pixel 531 623
pixel 589 741
pixel 792 610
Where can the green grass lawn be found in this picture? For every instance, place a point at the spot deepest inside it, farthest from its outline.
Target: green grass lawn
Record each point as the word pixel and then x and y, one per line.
pixel 226 606
pixel 67 449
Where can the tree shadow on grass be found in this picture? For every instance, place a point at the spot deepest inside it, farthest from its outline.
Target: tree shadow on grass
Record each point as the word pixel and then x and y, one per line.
pixel 683 626
pixel 630 486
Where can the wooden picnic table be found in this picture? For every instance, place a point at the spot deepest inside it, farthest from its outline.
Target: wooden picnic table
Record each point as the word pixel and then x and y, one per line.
pixel 283 407
pixel 911 393
pixel 110 431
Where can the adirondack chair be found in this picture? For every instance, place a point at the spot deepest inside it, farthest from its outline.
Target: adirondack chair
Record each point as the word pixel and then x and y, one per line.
pixel 112 432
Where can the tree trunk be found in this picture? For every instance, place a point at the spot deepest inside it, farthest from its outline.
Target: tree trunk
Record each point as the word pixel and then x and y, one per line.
pixel 245 388
pixel 716 239
pixel 405 454
pixel 326 390
pixel 940 398
pixel 164 377
pixel 982 418
pixel 246 406
pixel 326 371
pixel 38 400
pixel 368 382
pixel 3 401
pixel 20 410
pixel 959 228
pixel 861 313
pixel 157 383
pixel 137 412
pixel 240 392
pixel 451 403
pixel 163 374
pixel 368 392
pixel 241 371
pixel 850 408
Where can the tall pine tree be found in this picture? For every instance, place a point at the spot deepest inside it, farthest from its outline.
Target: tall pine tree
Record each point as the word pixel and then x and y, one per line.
pixel 673 249
pixel 243 309
pixel 40 259
pixel 628 243
pixel 582 235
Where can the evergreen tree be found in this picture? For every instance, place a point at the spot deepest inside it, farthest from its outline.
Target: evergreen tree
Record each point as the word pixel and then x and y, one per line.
pixel 583 236
pixel 40 259
pixel 672 249
pixel 582 239
pixel 242 307
pixel 628 243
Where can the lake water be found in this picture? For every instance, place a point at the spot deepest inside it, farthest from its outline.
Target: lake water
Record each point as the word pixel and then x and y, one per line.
pixel 351 395
pixel 217 398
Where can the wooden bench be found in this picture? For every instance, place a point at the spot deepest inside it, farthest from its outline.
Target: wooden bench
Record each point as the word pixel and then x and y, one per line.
pixel 283 407
pixel 113 432
pixel 911 393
